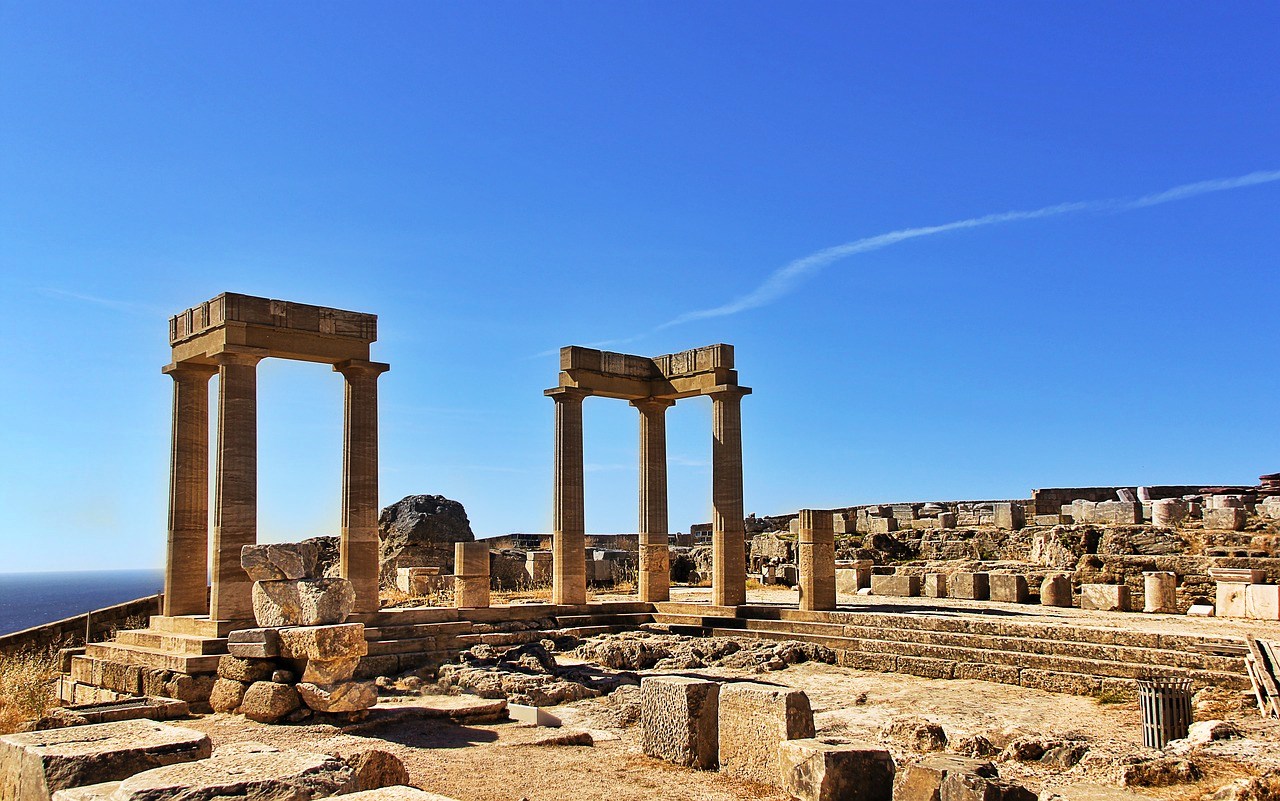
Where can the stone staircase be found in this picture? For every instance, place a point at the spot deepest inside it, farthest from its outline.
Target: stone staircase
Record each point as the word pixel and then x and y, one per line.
pixel 1061 657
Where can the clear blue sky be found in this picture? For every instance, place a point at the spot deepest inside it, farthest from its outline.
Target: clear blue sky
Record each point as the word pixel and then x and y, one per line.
pixel 495 180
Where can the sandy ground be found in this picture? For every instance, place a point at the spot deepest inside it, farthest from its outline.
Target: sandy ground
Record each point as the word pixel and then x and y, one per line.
pixel 490 762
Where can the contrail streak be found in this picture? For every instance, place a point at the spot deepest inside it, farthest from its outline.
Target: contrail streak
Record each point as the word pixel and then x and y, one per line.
pixel 784 279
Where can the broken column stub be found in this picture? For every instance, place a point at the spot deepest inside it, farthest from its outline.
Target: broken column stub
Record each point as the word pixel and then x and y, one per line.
pixel 831 770
pixel 471 570
pixel 1055 590
pixel 679 720
pixel 1160 592
pixel 1169 512
pixel 754 719
pixel 35 765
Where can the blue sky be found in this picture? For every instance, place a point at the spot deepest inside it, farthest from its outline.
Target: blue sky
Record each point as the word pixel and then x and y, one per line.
pixel 495 180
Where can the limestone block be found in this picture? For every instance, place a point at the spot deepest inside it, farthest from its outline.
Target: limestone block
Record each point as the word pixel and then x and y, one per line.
pixel 935 585
pixel 330 671
pixel 227 695
pixel 1055 590
pixel 972 586
pixel 350 696
pixel 538 564
pixel 420 581
pixel 472 592
pixel 923 780
pixel 305 602
pixel 375 768
pixel 1160 592
pixel 960 786
pixel 850 580
pixel 1228 519
pixel 471 558
pixel 324 642
pixel 829 770
pixel 279 562
pixel 245 670
pixel 946 519
pixel 1270 507
pixel 754 719
pixel 678 719
pixel 1106 597
pixel 1230 600
pixel 1008 588
pixel 1051 520
pixel 254 643
pixel 243 770
pixel 882 525
pixel 34 765
pixel 1117 513
pixel 1224 502
pixel 1169 512
pixel 1262 601
pixel 268 702
pixel 896 585
pixel 1010 516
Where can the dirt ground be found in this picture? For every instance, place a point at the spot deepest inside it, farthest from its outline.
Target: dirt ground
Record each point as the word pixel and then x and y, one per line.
pixel 495 763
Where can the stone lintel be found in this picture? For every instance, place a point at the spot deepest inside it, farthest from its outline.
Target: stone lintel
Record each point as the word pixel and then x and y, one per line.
pixel 670 365
pixel 283 329
pixel 625 388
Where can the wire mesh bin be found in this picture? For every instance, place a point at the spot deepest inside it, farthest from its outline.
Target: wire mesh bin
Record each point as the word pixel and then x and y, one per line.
pixel 1166 709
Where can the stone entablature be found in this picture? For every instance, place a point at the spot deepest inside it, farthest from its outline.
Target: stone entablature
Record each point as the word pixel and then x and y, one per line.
pixel 698 371
pixel 289 330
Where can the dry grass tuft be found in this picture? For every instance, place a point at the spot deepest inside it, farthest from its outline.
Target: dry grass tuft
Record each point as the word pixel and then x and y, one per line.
pixel 26 686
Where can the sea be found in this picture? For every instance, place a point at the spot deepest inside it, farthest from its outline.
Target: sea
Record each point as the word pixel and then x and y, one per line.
pixel 31 599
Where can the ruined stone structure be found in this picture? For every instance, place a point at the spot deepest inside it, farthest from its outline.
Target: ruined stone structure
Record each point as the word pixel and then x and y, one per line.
pixel 228 336
pixel 652 385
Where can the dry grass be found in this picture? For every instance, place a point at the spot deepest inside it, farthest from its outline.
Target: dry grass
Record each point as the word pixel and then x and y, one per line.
pixel 26 686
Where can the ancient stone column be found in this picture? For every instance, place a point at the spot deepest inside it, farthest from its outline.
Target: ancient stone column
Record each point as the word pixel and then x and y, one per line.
pixel 816 543
pixel 358 548
pixel 728 550
pixel 1160 592
pixel 655 556
pixel 568 537
pixel 186 569
pixel 235 511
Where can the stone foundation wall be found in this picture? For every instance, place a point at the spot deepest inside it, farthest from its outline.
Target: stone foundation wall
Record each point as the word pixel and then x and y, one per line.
pixel 99 623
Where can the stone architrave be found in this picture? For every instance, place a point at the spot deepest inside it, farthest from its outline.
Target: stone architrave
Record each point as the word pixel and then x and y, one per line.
pixel 754 719
pixel 1160 592
pixel 235 511
pixel 186 585
pixel 568 538
pixel 678 720
pixel 817 556
pixel 471 581
pixel 35 765
pixel 654 553
pixel 358 546
pixel 728 535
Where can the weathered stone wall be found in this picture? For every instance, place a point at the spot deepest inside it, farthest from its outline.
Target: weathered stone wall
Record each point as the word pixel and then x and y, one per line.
pixel 100 623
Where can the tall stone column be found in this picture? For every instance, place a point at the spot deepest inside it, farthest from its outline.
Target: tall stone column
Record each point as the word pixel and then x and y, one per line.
pixel 655 555
pixel 186 569
pixel 728 554
pixel 568 538
pixel 816 542
pixel 358 548
pixel 235 511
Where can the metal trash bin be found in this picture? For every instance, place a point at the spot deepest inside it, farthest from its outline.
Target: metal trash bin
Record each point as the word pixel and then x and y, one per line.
pixel 1166 709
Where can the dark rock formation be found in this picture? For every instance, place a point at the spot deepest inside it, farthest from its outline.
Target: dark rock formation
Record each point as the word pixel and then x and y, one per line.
pixel 420 531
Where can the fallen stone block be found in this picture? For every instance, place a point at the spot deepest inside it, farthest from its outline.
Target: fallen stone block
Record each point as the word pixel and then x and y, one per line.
pixel 882 525
pixel 914 732
pixel 281 561
pixel 254 643
pixel 923 780
pixel 1009 516
pixel 935 585
pixel 678 720
pixel 970 586
pixel 1055 590
pixel 143 707
pixel 227 695
pixel 969 787
pixel 1228 519
pixel 1008 588
pixel 324 642
pixel 245 670
pixel 829 770
pixel 396 794
pixel 305 602
pixel 330 671
pixel 896 585
pixel 268 702
pixel 547 737
pixel 1262 601
pixel 243 770
pixel 374 769
pixel 34 765
pixel 753 720
pixel 1104 597
pixel 350 696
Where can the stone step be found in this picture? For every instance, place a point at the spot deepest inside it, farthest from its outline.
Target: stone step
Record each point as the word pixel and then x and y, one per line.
pixel 406 617
pixel 197 626
pixel 172 643
pixel 620 619
pixel 695 608
pixel 152 658
pixel 405 646
pixel 398 631
pixel 588 631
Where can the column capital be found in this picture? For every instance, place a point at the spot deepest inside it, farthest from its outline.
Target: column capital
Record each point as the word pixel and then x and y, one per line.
pixel 727 391
pixel 651 404
pixel 353 368
pixel 561 394
pixel 188 370
pixel 236 355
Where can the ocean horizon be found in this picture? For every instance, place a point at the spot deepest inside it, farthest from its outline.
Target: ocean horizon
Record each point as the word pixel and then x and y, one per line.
pixel 33 599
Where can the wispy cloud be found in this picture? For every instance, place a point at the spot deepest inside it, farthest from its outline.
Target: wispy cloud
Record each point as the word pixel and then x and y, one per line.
pixel 784 280
pixel 128 307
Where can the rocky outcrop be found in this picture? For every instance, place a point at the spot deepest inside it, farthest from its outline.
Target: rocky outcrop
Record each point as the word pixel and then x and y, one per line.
pixel 420 531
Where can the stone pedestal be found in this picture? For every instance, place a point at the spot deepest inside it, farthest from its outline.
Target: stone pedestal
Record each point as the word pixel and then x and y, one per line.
pixel 970 586
pixel 817 554
pixel 654 556
pixel 1160 591
pixel 1055 590
pixel 568 537
pixel 186 575
pixel 471 579
pixel 901 586
pixel 358 548
pixel 728 548
pixel 235 511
